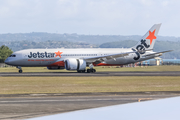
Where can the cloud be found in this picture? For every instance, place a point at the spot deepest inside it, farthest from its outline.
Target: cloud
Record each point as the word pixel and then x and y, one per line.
pixel 89 16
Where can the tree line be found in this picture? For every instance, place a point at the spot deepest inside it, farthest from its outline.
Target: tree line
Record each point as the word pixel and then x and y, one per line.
pixel 8 48
pixel 5 52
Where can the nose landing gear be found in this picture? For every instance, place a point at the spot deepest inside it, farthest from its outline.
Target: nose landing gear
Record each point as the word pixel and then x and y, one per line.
pixel 20 69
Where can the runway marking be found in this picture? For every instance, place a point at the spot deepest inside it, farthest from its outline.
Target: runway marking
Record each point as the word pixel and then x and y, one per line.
pixel 139 100
pixel 21 101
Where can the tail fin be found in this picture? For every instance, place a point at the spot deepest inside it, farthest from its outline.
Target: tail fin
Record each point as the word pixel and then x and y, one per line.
pixel 148 40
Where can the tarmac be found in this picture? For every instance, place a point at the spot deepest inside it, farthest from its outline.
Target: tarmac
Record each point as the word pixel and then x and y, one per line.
pixel 35 105
pixel 23 106
pixel 42 74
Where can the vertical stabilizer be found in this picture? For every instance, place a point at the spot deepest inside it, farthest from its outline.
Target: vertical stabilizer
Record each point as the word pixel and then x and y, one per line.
pixel 148 40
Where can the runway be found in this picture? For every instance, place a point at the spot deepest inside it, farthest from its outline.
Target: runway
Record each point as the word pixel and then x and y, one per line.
pixel 42 74
pixel 34 105
pixel 22 107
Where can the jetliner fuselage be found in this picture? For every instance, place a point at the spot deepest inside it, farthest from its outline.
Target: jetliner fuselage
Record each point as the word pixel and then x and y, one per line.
pixel 48 57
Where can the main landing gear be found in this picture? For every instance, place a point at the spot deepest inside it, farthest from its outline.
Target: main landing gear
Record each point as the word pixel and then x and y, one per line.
pixel 88 71
pixel 91 70
pixel 20 69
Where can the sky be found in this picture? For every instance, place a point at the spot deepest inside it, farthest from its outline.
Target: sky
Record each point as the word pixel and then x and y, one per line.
pixel 90 17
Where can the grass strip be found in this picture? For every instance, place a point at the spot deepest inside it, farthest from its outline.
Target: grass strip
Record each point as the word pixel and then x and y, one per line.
pixel 26 85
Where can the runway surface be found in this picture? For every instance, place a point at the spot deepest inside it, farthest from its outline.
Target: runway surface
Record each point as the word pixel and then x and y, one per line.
pixel 165 73
pixel 36 105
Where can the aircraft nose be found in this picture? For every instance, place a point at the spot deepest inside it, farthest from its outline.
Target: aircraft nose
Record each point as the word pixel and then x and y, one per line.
pixel 6 61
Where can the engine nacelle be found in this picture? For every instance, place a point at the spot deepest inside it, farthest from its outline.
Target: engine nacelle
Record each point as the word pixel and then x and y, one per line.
pixel 54 67
pixel 75 64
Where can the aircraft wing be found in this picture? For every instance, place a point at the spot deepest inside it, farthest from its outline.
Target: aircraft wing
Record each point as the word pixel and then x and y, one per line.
pixel 107 57
pixel 163 109
pixel 102 58
pixel 160 53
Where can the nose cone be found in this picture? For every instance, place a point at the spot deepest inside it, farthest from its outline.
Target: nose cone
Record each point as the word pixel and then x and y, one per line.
pixel 6 61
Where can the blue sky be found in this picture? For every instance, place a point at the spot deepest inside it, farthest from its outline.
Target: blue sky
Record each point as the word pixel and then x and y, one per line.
pixel 103 17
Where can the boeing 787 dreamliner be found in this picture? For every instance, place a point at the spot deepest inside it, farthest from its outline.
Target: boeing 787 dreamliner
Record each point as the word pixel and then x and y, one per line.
pixel 79 59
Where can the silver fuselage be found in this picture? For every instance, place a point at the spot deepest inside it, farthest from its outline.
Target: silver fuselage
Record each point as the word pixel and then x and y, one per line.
pixel 47 57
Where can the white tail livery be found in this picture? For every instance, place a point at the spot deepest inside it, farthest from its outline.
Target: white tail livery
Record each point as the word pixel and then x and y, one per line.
pixel 150 37
pixel 79 59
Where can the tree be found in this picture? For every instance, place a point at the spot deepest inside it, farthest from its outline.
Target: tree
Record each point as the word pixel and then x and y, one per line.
pixel 5 52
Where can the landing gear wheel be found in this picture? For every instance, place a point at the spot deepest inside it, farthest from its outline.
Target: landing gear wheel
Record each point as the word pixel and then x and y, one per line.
pixel 91 70
pixel 81 71
pixel 20 71
pixel 88 70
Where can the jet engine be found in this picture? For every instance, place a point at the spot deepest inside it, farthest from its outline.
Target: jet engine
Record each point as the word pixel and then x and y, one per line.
pixel 75 64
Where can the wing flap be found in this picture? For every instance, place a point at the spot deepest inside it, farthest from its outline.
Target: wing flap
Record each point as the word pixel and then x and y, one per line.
pixel 108 57
pixel 116 56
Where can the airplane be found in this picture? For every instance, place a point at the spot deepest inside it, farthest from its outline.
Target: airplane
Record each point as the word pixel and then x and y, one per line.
pixel 79 59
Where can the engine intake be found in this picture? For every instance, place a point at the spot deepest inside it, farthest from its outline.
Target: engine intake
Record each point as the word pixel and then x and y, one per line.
pixel 75 64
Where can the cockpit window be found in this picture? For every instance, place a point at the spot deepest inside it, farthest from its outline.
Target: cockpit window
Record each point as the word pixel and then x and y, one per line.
pixel 12 56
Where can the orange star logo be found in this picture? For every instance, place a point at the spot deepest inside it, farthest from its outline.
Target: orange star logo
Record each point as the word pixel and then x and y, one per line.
pixel 58 54
pixel 151 36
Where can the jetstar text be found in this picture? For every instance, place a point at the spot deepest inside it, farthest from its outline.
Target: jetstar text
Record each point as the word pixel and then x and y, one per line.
pixel 41 55
pixel 142 46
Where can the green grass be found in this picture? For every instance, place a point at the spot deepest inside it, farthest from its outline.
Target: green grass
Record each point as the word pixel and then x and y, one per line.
pixel 98 69
pixel 25 85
